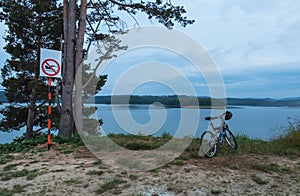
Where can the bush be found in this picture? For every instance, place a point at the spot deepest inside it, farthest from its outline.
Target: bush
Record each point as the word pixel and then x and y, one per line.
pixel 27 145
pixel 291 134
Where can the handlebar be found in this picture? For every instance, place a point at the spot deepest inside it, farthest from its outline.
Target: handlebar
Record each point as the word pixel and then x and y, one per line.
pixel 215 117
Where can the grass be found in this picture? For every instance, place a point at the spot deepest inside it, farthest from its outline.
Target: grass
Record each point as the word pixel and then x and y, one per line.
pixel 140 142
pixel 10 175
pixel 58 170
pixel 11 166
pixel 178 162
pixel 5 192
pixel 72 181
pixel 130 163
pixel 269 168
pixel 288 144
pixel 215 192
pixel 95 172
pixel 175 188
pixel 99 162
pixel 109 185
pixel 17 188
pixel 30 174
pixel 5 158
pixel 259 180
pixel 133 177
pixel 280 146
pixel 28 145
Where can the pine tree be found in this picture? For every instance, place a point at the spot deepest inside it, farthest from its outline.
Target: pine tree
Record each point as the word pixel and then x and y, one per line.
pixel 32 24
pixel 109 13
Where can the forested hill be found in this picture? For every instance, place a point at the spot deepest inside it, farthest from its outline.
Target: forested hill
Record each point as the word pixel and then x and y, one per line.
pixel 288 102
pixel 182 100
pixel 176 101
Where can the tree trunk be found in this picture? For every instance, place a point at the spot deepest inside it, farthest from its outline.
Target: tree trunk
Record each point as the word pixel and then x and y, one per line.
pixel 78 63
pixel 66 126
pixel 32 103
pixel 31 115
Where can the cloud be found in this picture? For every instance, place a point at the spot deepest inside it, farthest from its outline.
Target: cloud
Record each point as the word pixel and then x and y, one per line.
pixel 255 45
pixel 247 33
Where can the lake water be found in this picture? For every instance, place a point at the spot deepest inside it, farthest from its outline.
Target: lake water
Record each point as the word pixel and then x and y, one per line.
pixel 256 122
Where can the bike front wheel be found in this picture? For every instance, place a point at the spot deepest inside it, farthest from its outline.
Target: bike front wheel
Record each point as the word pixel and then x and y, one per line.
pixel 208 144
pixel 230 139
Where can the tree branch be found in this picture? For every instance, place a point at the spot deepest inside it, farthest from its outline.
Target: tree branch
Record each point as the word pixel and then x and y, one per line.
pixel 134 5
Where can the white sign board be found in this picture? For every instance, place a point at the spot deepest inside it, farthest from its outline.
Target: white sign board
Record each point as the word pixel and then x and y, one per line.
pixel 50 63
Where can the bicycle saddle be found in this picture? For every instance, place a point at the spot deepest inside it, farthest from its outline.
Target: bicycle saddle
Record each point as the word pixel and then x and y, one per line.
pixel 207 118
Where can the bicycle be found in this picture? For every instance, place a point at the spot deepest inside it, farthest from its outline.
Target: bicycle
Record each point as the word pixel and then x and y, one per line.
pixel 210 139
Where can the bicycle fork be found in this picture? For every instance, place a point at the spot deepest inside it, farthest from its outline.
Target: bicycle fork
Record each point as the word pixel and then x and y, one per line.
pixel 221 138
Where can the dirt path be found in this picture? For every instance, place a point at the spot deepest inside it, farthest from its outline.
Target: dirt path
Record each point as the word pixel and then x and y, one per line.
pixel 64 171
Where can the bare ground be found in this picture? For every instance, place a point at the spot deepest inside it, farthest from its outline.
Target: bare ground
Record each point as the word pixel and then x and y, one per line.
pixel 62 171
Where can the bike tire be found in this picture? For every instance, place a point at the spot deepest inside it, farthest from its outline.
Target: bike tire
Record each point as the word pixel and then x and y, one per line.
pixel 208 144
pixel 230 139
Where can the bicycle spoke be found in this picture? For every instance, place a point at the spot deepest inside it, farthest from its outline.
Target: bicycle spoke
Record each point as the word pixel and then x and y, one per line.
pixel 208 146
pixel 230 139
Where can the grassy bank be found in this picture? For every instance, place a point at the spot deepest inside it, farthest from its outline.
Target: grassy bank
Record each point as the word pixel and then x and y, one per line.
pixel 287 144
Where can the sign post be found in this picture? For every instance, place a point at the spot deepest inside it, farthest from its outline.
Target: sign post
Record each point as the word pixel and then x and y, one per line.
pixel 49 111
pixel 50 66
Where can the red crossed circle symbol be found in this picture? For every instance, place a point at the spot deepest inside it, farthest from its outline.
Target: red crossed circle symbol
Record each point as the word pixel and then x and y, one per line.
pixel 50 67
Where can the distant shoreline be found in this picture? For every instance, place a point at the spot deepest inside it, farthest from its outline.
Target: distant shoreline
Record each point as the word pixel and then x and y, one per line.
pixel 184 101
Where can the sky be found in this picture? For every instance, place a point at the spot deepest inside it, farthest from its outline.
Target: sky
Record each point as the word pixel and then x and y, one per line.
pixel 254 44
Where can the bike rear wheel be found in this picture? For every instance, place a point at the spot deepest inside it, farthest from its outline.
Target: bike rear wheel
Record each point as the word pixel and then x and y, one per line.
pixel 230 139
pixel 208 144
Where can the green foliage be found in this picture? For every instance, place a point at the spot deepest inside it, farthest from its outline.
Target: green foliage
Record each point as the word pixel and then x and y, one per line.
pixel 291 134
pixel 162 11
pixel 166 136
pixel 23 146
pixel 75 140
pixel 27 145
pixel 31 25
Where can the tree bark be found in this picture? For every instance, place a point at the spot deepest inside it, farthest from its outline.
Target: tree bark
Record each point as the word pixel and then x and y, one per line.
pixel 31 115
pixel 78 67
pixel 32 103
pixel 66 126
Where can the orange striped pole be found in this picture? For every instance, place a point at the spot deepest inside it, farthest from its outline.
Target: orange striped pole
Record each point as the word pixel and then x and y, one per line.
pixel 49 111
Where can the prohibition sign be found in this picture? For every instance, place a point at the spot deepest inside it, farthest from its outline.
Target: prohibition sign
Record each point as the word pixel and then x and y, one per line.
pixel 50 67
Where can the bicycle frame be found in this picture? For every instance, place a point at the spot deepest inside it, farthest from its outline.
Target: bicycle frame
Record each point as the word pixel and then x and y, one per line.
pixel 218 130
